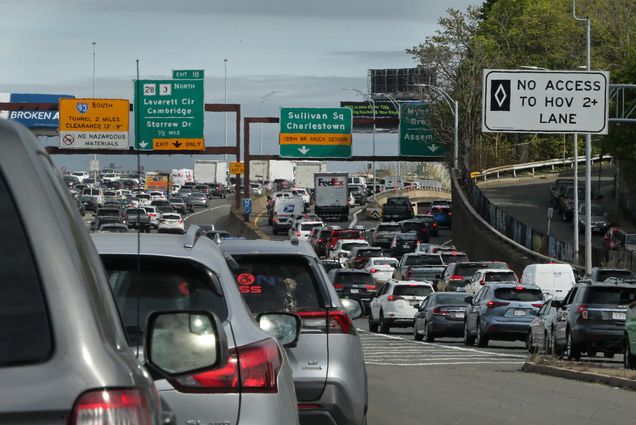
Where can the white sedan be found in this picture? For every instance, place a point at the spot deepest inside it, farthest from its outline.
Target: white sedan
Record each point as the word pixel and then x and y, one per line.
pixel 343 247
pixel 302 229
pixel 381 268
pixel 171 223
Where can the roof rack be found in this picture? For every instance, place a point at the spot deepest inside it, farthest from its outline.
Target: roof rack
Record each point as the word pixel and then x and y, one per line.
pixel 192 235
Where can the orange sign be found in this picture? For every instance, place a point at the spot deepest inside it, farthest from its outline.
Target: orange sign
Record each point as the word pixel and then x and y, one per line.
pixel 94 123
pixel 237 167
pixel 314 139
pixel 178 144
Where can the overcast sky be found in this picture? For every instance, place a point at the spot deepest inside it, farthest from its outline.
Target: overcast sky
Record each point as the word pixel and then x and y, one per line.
pixel 307 50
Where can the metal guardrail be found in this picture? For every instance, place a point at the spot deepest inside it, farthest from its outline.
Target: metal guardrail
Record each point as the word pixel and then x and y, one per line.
pixel 406 190
pixel 549 163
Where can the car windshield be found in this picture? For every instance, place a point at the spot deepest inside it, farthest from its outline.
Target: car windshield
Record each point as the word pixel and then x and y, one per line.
pixel 605 274
pixel 630 239
pixel 440 210
pixel 423 260
pixel 450 298
pixel 519 293
pixel 271 283
pixel 348 277
pixel 598 211
pixel 412 289
pixel 614 296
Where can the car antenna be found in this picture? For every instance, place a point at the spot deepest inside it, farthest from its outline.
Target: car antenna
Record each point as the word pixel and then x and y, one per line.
pixel 137 92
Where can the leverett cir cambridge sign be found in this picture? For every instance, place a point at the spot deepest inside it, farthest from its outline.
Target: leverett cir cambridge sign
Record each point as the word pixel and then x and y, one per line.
pixel 545 101
pixel 315 132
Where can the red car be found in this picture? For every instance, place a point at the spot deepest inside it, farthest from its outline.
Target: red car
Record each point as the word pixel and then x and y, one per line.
pixel 342 234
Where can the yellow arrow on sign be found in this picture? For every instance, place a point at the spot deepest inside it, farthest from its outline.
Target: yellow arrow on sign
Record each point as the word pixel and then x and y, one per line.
pixel 178 144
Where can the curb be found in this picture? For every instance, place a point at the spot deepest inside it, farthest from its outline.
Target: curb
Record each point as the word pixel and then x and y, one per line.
pixel 248 225
pixel 559 372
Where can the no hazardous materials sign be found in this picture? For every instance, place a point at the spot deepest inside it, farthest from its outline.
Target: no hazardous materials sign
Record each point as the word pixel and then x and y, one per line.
pixel 93 123
pixel 545 101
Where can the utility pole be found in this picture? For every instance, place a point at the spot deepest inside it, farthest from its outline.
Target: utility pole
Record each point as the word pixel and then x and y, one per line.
pixel 225 91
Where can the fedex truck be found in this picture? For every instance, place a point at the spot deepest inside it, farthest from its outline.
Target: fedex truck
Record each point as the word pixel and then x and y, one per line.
pixel 331 194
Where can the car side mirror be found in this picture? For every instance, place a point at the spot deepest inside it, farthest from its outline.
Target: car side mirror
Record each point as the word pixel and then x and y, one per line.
pixel 556 304
pixel 632 304
pixel 284 327
pixel 352 307
pixel 468 300
pixel 184 342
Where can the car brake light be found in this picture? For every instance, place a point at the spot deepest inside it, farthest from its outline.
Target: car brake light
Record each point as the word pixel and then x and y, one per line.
pixel 320 240
pixel 371 287
pixel 338 285
pixel 181 221
pixel 338 321
pixel 456 277
pixel 537 305
pixel 373 270
pixel 298 234
pixel 116 407
pixel 582 310
pixel 259 364
pixel 493 304
pixel 482 282
pixel 394 298
pixel 439 312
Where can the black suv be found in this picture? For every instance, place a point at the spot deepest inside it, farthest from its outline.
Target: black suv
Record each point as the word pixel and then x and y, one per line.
pixel 591 318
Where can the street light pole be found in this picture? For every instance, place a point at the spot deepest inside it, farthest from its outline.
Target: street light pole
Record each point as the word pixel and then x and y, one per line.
pixel 263 99
pixel 588 156
pixel 225 91
pixel 370 100
pixel 396 104
pixel 94 155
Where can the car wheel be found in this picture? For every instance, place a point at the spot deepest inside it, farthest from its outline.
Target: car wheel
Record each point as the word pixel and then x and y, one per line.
pixel 481 340
pixel 547 349
pixel 429 335
pixel 373 327
pixel 384 326
pixel 468 338
pixel 530 343
pixel 629 360
pixel 416 335
pixel 572 351
pixel 557 350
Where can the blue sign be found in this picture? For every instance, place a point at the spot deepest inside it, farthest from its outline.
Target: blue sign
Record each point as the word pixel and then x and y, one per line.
pixel 247 206
pixel 33 119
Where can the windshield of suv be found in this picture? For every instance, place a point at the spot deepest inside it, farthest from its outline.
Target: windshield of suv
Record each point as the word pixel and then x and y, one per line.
pixel 605 274
pixel 451 298
pixel 271 283
pixel 347 246
pixel 348 277
pixel 423 260
pixel 519 294
pixel 614 296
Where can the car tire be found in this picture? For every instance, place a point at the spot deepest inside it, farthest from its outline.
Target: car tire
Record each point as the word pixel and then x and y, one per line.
pixel 373 327
pixel 480 339
pixel 557 350
pixel 530 343
pixel 629 360
pixel 469 340
pixel 416 335
pixel 428 336
pixel 384 326
pixel 572 351
pixel 547 349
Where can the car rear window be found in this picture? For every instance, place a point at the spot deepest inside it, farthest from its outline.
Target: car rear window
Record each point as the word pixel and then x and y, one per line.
pixel 349 245
pixel 454 258
pixel 499 277
pixel 345 277
pixel 406 237
pixel 468 269
pixel 440 210
pixel 348 234
pixel 25 333
pixel 370 252
pixel 385 262
pixel 112 213
pixel 423 260
pixel 451 298
pixel 389 228
pixel 170 217
pixel 518 294
pixel 611 295
pixel 271 283
pixel 309 226
pixel 411 225
pixel 413 290
pixel 602 275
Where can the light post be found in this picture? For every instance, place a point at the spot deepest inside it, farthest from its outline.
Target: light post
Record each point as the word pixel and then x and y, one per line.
pixel 94 155
pixel 225 91
pixel 370 100
pixel 453 105
pixel 263 99
pixel 588 158
pixel 396 104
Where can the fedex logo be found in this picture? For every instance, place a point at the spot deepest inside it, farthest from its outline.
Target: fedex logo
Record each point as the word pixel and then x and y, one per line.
pixel 334 182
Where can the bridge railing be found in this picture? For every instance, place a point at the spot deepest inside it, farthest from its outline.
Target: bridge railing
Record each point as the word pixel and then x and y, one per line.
pixel 532 166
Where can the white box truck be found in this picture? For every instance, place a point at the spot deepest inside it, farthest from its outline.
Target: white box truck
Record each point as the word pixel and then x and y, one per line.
pixel 331 196
pixel 259 170
pixel 210 171
pixel 181 176
pixel 281 169
pixel 305 171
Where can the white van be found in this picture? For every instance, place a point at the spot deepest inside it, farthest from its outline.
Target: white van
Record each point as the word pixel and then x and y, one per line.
pixel 555 280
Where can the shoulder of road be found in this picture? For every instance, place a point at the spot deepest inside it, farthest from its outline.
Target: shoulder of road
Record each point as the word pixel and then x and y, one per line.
pixel 619 378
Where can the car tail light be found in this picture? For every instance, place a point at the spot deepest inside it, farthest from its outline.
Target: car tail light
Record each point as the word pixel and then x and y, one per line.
pixel 493 304
pixel 450 213
pixel 439 312
pixel 320 240
pixel 537 305
pixel 308 406
pixel 434 224
pixel 338 285
pixel 456 277
pixel 116 407
pixel 275 220
pixel 482 282
pixel 259 364
pixel 371 287
pixel 394 298
pixel 584 313
pixel 181 221
pixel 338 320
pixel 373 270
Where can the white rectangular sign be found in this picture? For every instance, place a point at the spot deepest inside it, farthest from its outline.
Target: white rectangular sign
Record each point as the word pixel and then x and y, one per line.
pixel 545 101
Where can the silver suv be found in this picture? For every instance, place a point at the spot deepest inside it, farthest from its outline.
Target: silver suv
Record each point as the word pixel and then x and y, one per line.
pixel 177 272
pixel 328 367
pixel 63 352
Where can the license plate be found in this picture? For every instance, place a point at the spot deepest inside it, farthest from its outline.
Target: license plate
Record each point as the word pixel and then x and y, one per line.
pixel 459 315
pixel 618 316
pixel 519 312
pixel 354 291
pixel 405 246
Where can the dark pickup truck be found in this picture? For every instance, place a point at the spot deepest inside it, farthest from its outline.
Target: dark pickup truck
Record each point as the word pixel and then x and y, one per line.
pixel 397 209
pixel 137 217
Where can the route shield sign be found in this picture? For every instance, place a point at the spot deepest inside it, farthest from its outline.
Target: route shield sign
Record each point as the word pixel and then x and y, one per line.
pixel 545 101
pixel 416 135
pixel 315 132
pixel 169 115
pixel 93 123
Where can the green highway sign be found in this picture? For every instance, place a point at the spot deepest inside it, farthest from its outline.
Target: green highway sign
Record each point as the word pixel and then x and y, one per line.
pixel 187 74
pixel 416 135
pixel 169 115
pixel 315 132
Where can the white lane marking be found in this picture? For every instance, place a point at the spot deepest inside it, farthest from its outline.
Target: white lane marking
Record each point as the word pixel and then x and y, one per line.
pixel 355 218
pixel 443 364
pixel 207 210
